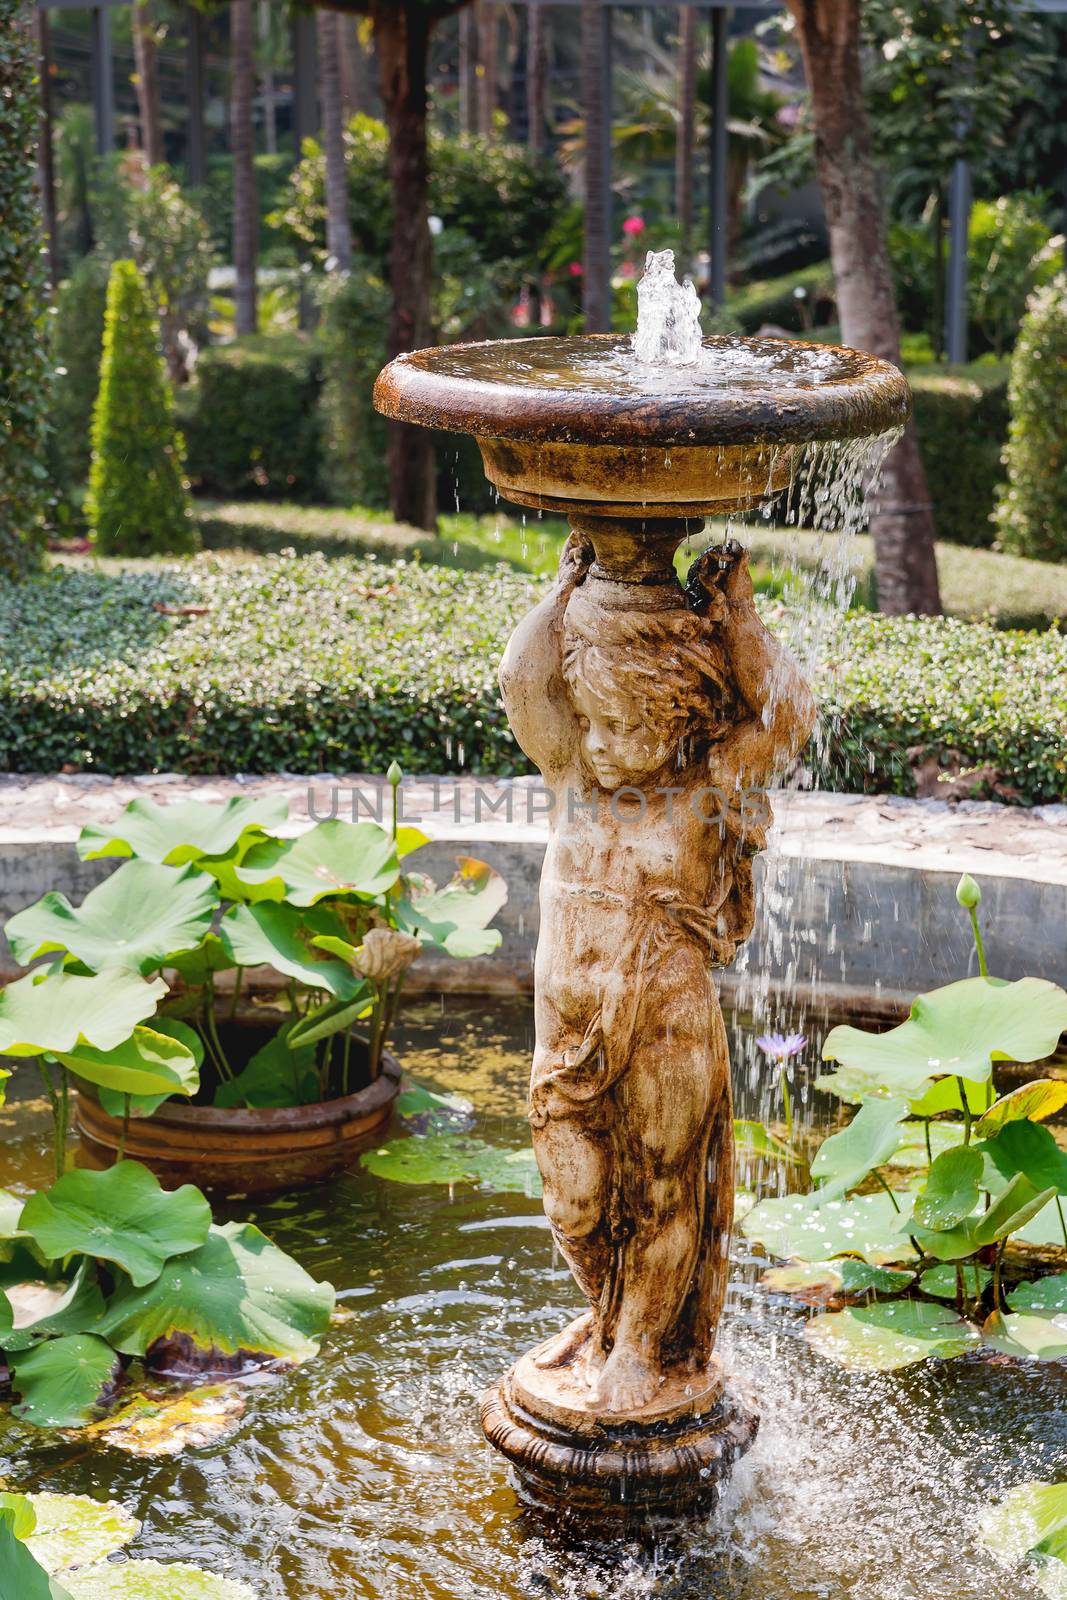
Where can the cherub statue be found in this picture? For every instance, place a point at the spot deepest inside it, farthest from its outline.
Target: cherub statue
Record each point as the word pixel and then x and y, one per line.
pixel 657 716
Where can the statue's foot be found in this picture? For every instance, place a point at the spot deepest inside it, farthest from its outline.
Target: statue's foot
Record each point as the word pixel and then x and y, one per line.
pixel 627 1382
pixel 566 1346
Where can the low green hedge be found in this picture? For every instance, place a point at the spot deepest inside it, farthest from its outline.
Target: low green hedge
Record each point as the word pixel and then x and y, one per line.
pixel 775 300
pixel 305 664
pixel 962 422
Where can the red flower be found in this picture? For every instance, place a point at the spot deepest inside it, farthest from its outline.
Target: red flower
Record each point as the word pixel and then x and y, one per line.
pixel 633 226
pixel 575 269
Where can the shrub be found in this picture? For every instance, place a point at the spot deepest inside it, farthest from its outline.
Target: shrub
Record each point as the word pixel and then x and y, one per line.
pixel 962 422
pixel 1032 514
pixel 77 341
pixel 355 316
pixel 251 418
pixel 23 353
pixel 308 664
pixel 137 494
pixel 775 300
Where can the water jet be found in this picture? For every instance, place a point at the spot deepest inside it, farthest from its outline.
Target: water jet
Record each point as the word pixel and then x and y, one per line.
pixel 658 715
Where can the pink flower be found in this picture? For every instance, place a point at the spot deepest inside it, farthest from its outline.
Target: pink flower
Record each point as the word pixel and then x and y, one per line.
pixel 575 269
pixel 633 226
pixel 628 270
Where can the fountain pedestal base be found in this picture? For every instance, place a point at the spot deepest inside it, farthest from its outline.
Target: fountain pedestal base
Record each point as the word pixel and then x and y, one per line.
pixel 668 1459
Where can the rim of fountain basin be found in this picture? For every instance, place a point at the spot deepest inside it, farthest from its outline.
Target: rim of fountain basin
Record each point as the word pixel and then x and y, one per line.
pixel 588 389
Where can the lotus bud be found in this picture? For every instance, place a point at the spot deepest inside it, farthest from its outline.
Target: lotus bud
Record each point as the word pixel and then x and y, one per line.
pixel 394 773
pixel 968 893
pixel 385 952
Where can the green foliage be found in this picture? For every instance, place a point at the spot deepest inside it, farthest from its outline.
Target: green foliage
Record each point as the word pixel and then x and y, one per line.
pixel 77 341
pixel 889 1335
pixel 355 318
pixel 72 1530
pixel 121 1215
pixel 962 422
pixel 1032 514
pixel 454 1158
pixel 777 300
pixel 24 366
pixel 216 202
pixel 1030 1524
pixel 251 418
pixel 137 499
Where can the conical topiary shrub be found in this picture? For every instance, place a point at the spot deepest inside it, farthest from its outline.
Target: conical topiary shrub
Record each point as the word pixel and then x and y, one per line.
pixel 1032 514
pixel 138 501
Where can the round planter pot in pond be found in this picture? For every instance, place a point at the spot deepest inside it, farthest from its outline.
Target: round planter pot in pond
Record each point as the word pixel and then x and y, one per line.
pixel 239 1152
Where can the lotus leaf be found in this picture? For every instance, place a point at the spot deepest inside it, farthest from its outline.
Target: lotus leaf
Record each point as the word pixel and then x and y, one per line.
pixel 55 1014
pixel 454 1158
pixel 147 1063
pixel 120 1105
pixel 754 1139
pixel 195 967
pixel 122 1215
pixel 456 917
pixel 1028 1335
pixel 73 1530
pixel 153 1580
pixel 1031 1102
pixel 1009 1212
pixel 844 1159
pixel 19 1514
pixel 911 1153
pixel 1044 1294
pixel 425 1111
pixel 183 831
pixel 891 1334
pixel 951 1191
pixel 280 936
pixel 53 1308
pixel 21 1575
pixel 867 1226
pixel 331 858
pixel 817 1282
pixel 238 1293
pixel 171 1423
pixel 134 919
pixel 325 1021
pixel 1028 1148
pixel 277 1075
pixel 943 1284
pixel 62 1381
pixel 944 1095
pixel 1031 1520
pixel 959 1031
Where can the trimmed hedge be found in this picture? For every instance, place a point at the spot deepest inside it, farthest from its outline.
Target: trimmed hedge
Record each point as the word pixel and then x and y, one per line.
pixel 962 422
pixel 1033 511
pixel 305 664
pixel 776 301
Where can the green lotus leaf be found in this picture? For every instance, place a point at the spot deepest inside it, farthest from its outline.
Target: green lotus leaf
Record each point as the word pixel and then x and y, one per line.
pixel 62 1381
pixel 1028 1336
pixel 331 858
pixel 195 967
pixel 279 936
pixel 944 1095
pixel 135 919
pixel 850 1085
pixel 867 1226
pixel 73 1530
pixel 754 1139
pixel 1031 1102
pixel 325 1021
pixel 277 1075
pixel 21 1575
pixel 454 1158
pixel 1043 1294
pixel 844 1159
pixel 11 1236
pixel 56 1013
pixel 1018 1204
pixel 409 840
pixel 183 831
pixel 454 918
pixel 18 1513
pixel 951 1191
pixel 149 1062
pixel 816 1282
pixel 117 1104
pixel 941 1281
pixel 41 1309
pixel 122 1214
pixel 1028 1148
pixel 1030 1521
pixel 957 1031
pixel 425 1111
pixel 238 1293
pixel 153 1580
pixel 1046 1228
pixel 911 1153
pixel 891 1334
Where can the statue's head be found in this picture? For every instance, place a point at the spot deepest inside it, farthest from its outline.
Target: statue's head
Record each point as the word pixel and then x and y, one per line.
pixel 650 688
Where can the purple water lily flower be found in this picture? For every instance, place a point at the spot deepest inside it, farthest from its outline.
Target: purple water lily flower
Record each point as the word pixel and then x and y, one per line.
pixel 781 1047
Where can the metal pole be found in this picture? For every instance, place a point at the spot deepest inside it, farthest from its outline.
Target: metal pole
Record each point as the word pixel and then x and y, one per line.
pixel 720 95
pixel 959 216
pixel 101 68
pixel 195 152
pixel 305 79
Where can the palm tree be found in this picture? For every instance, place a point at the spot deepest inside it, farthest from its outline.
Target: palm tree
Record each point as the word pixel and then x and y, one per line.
pixel 536 74
pixel 902 523
pixel 489 65
pixel 266 77
pixel 146 62
pixel 467 69
pixel 683 162
pixel 338 223
pixel 242 150
pixel 355 77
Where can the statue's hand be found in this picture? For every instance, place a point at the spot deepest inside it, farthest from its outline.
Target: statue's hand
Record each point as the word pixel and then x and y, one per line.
pixel 719 578
pixel 575 559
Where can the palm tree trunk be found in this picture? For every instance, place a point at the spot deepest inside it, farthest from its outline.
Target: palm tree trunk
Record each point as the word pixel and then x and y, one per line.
pixel 401 35
pixel 596 264
pixel 338 223
pixel 467 68
pixel 146 63
pixel 266 80
pixel 536 75
pixel 355 79
pixel 489 61
pixel 902 522
pixel 687 97
pixel 242 150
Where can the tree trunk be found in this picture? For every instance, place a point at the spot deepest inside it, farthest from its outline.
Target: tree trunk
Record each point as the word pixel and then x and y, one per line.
pixel 266 80
pixel 338 223
pixel 402 37
pixel 467 69
pixel 489 66
pixel 596 263
pixel 902 521
pixel 687 100
pixel 355 79
pixel 146 63
pixel 536 75
pixel 242 149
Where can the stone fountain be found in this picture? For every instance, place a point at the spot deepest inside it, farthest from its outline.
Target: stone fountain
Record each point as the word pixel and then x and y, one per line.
pixel 657 715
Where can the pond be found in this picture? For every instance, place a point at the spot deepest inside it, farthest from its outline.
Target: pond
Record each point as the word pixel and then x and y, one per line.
pixel 364 1473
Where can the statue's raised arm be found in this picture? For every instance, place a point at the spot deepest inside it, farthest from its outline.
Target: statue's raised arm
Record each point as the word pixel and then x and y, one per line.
pixel 539 708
